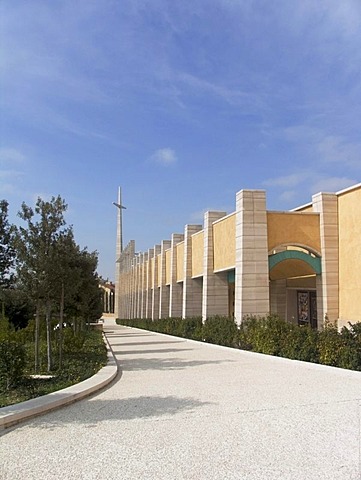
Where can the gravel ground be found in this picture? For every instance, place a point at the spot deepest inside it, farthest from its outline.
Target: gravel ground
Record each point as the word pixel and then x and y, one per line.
pixel 186 410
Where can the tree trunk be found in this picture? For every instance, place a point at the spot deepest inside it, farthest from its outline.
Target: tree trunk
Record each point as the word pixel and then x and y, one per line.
pixel 48 334
pixel 36 339
pixel 61 326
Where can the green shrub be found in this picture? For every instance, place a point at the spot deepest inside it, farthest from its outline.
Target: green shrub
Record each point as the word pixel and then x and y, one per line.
pixel 221 331
pixel 329 344
pixel 73 342
pixel 341 349
pixel 264 334
pixel 301 344
pixel 12 361
pixel 191 327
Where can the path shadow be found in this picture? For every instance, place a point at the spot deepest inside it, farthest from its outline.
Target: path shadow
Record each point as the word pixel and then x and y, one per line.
pixel 117 334
pixel 134 364
pixel 130 344
pixel 149 352
pixel 94 411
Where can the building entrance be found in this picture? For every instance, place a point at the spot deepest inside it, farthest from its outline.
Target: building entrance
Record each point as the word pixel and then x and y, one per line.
pixel 307 308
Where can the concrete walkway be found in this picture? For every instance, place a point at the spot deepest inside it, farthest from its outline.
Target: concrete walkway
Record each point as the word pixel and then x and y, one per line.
pixel 187 410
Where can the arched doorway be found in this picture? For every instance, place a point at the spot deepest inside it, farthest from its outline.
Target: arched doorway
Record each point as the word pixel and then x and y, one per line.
pixel 294 272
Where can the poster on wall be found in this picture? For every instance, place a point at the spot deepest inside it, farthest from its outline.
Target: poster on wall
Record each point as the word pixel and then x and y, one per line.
pixel 303 306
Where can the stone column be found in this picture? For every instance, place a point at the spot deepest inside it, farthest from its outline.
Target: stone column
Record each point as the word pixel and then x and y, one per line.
pixel 155 289
pixel 176 289
pixel 164 289
pixel 215 286
pixel 139 286
pixel 252 275
pixel 143 281
pixel 192 288
pixel 136 280
pixel 148 285
pixel 133 285
pixel 327 283
pixel 130 252
pixel 278 296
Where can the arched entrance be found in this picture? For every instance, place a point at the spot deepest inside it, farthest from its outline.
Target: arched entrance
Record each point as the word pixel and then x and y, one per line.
pixel 294 272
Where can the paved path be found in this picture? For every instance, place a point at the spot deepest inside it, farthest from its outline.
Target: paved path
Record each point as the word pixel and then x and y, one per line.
pixel 186 410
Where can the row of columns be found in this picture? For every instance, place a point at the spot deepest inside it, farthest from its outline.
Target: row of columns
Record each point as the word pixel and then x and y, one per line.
pixel 145 291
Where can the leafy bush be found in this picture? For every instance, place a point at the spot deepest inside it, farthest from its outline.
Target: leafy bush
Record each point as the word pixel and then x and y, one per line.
pixel 12 361
pixel 221 331
pixel 264 334
pixel 340 349
pixel 301 344
pixel 191 327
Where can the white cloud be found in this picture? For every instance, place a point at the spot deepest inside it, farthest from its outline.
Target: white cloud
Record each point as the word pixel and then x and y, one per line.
pixel 164 156
pixel 308 182
pixel 291 180
pixel 332 184
pixel 288 195
pixel 7 189
pixel 337 149
pixel 11 155
pixel 236 97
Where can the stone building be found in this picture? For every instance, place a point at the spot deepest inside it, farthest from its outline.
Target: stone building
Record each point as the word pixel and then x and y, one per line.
pixel 303 264
pixel 108 297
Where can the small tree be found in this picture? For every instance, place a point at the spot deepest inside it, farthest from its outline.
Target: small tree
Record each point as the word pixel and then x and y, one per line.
pixel 36 247
pixel 7 253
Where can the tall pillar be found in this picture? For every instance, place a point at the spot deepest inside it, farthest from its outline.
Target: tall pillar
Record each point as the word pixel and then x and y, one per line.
pixel 327 284
pixel 215 286
pixel 128 259
pixel 138 286
pixel 148 284
pixel 252 275
pixel 155 288
pixel 143 282
pixel 164 289
pixel 119 249
pixel 176 289
pixel 192 288
pixel 133 285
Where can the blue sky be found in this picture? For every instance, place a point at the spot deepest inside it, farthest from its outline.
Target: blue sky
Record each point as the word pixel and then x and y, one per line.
pixel 181 103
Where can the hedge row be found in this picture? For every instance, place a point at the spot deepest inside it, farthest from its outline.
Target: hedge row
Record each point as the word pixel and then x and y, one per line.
pixel 270 335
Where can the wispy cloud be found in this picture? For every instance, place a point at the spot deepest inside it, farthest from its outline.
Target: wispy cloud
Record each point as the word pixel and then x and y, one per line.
pixel 338 149
pixel 308 182
pixel 164 156
pixel 232 96
pixel 10 174
pixel 288 181
pixel 11 155
pixel 332 184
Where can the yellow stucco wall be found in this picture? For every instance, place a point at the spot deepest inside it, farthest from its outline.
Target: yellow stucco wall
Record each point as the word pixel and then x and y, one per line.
pixel 167 266
pixel 197 254
pixel 289 228
pixel 180 262
pixel 349 218
pixel 224 243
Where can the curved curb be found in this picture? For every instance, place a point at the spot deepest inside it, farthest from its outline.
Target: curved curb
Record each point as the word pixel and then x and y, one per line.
pixel 19 412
